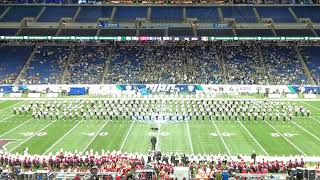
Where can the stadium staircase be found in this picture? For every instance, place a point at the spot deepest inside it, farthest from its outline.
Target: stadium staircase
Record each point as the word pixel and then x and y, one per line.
pixel 311 27
pixel 66 71
pixel 113 13
pixel 224 71
pixel 26 66
pixel 40 13
pixel 257 14
pixel 76 14
pixel 264 69
pixel 304 66
pixel 149 13
pixel 294 15
pixel 220 15
pixel 5 12
pixel 106 66
pixel 272 29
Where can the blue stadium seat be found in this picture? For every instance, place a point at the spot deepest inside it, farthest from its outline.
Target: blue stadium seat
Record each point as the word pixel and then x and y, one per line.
pixel 91 14
pixel 180 31
pixel 254 32
pixel 118 32
pixel 47 65
pixel 2 9
pixel 240 14
pixel 317 31
pixel 214 32
pixel 312 58
pixel 17 13
pixel 152 32
pixel 130 13
pixel 78 32
pixel 203 14
pixel 283 65
pixel 277 13
pixel 8 32
pixel 294 32
pixel 311 12
pixel 12 59
pixel 55 13
pixel 37 32
pixel 166 14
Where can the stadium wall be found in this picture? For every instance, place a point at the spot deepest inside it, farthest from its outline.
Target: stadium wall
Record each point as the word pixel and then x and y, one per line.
pixel 110 89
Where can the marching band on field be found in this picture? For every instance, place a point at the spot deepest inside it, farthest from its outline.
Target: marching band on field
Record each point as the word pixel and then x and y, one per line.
pixel 169 110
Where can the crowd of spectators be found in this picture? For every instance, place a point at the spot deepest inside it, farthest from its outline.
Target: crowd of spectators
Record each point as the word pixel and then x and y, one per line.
pixel 154 63
pixel 123 165
pixel 283 66
pixel 87 64
pixel 243 65
pixel 47 65
pixel 166 64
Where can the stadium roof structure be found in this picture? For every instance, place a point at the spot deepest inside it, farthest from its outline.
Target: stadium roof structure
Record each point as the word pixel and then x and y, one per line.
pixel 275 22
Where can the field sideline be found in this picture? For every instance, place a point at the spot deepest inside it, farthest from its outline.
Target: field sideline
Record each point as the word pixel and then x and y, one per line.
pixel 300 137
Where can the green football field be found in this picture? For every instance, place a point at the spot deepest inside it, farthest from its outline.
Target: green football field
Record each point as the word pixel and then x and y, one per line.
pixel 300 137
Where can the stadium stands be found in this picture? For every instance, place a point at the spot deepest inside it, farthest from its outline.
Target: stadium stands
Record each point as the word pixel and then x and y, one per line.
pixel 92 14
pixel 126 65
pixel 242 64
pixel 166 14
pixel 17 13
pixel 180 31
pixel 318 32
pixel 37 32
pixel 254 32
pixel 240 14
pixel 283 66
pixel 47 65
pixel 55 13
pixel 11 62
pixel 309 12
pixel 214 32
pixel 130 13
pixel 8 31
pixel 78 32
pixel 203 14
pixel 118 32
pixel 152 32
pixel 311 55
pixel 183 64
pixel 279 14
pixel 294 32
pixel 88 64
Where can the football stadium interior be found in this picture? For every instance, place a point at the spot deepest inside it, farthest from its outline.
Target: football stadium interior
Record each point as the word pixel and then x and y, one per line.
pixel 159 90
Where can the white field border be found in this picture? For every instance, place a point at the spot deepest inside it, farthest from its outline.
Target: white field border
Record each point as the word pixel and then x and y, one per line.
pixel 224 143
pixel 55 143
pixel 295 146
pixel 257 142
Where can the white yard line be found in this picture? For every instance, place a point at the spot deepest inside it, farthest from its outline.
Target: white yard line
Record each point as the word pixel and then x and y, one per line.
pixel 189 136
pixel 315 119
pixel 62 137
pixel 32 136
pixel 286 139
pixel 306 131
pixel 224 143
pixel 265 152
pixel 125 139
pixel 16 127
pixel 12 105
pixel 95 136
pixel 313 107
pixel 7 118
